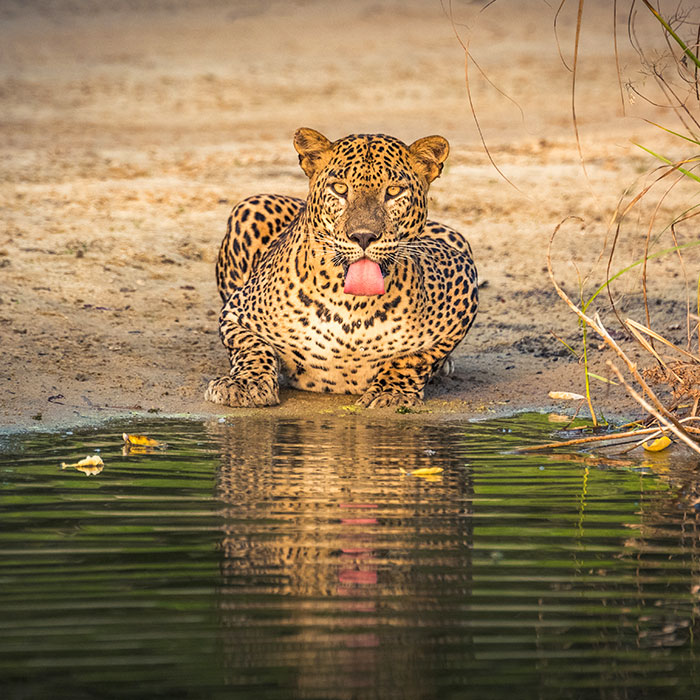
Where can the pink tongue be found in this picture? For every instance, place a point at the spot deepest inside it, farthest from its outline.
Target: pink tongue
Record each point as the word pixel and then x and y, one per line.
pixel 364 279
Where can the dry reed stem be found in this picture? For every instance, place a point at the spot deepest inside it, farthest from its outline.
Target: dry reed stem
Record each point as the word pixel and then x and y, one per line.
pixel 652 220
pixel 556 35
pixel 577 39
pixel 648 433
pixel 590 438
pixel 618 217
pixel 659 432
pixel 464 43
pixel 650 349
pixel 686 281
pixel 660 338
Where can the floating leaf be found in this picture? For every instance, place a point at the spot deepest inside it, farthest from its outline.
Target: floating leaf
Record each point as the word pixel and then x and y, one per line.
pixel 90 466
pixel 657 445
pixel 141 441
pixel 94 461
pixel 566 396
pixel 425 471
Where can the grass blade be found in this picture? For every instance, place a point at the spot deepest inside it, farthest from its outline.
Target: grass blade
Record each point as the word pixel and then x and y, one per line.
pixel 675 166
pixel 671 131
pixel 639 327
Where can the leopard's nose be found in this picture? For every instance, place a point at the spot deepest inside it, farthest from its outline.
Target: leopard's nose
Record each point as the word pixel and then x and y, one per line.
pixel 363 237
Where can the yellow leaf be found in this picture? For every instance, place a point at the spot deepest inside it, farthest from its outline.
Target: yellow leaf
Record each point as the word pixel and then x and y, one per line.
pixel 565 395
pixel 90 466
pixel 425 471
pixel 657 445
pixel 141 441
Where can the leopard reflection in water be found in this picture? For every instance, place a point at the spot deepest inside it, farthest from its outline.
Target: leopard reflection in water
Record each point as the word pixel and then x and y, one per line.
pixel 325 536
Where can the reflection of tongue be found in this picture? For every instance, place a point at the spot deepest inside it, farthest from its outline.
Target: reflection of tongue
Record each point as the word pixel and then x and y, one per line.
pixel 364 279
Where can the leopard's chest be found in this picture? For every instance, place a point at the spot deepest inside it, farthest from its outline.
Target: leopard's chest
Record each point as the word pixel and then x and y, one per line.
pixel 338 344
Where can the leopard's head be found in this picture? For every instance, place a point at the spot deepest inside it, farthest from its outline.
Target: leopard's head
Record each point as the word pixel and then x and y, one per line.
pixel 367 194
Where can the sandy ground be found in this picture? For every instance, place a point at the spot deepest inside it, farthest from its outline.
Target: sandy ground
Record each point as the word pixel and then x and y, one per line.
pixel 128 130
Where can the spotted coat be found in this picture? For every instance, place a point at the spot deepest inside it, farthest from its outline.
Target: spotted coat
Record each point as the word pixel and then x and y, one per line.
pixel 282 265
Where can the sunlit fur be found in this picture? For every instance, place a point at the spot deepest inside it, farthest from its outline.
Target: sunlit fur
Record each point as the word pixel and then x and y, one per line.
pixel 282 266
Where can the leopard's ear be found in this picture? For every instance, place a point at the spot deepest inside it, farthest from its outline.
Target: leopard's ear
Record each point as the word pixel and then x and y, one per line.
pixel 313 149
pixel 429 153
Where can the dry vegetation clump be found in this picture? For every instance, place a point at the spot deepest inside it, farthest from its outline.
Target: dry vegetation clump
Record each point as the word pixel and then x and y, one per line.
pixel 666 81
pixel 683 378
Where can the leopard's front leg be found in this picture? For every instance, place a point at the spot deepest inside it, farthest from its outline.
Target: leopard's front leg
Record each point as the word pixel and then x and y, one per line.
pixel 401 380
pixel 254 376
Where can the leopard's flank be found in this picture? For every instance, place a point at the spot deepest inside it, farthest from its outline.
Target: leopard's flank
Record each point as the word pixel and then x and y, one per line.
pixel 353 290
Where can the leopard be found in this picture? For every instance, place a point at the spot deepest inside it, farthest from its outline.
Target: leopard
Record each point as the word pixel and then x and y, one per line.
pixel 350 291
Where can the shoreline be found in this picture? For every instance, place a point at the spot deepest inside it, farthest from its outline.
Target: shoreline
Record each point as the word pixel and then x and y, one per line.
pixel 300 405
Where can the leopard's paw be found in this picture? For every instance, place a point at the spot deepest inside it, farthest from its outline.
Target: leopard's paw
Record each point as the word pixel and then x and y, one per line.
pixel 378 398
pixel 238 391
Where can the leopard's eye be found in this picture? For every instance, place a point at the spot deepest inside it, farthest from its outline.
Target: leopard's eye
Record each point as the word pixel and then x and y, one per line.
pixel 340 188
pixel 394 191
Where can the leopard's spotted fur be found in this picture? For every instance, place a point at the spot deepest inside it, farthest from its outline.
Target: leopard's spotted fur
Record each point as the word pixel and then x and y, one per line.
pixel 281 273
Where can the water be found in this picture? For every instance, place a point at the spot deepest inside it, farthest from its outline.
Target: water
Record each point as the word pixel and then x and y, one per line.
pixel 293 559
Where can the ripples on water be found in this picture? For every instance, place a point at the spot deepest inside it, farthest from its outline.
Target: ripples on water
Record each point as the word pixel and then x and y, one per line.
pixel 287 558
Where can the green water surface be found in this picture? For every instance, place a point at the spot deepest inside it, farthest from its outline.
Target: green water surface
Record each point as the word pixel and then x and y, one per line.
pixel 279 558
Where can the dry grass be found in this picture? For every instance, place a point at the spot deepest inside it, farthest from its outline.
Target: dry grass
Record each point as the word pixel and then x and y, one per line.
pixel 668 52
